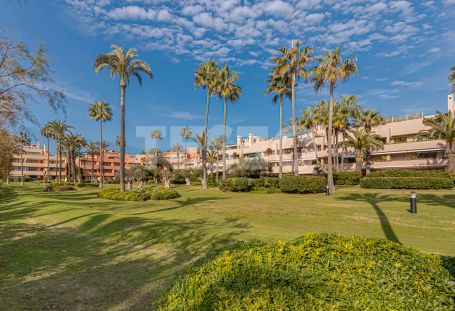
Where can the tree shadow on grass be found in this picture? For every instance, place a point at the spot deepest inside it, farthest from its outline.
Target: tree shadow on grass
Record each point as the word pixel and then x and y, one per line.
pixel 182 203
pixel 373 199
pixel 104 262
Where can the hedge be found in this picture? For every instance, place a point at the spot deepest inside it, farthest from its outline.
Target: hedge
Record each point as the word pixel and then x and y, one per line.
pixel 138 195
pixel 314 272
pixel 346 178
pixel 302 184
pixel 238 184
pixel 410 173
pixel 406 183
pixel 165 194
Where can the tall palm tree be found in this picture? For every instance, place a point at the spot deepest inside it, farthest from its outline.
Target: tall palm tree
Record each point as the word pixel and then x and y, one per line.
pixel 331 70
pixel 217 145
pixel 292 63
pixel 309 122
pixel 178 149
pixel 206 77
pixel 346 119
pixel 452 78
pixel 212 158
pixel 58 130
pixel 47 132
pixel 361 141
pixel 442 127
pixel 228 91
pixel 281 86
pixel 101 112
pixel 201 140
pixel 73 143
pixel 186 134
pixel 156 135
pixel 23 140
pixel 368 119
pixel 125 66
pixel 92 149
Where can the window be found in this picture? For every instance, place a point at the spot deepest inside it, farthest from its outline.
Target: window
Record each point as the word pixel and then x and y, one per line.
pixel 399 140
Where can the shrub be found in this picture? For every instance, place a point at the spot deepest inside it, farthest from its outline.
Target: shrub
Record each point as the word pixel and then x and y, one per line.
pixel 406 183
pixel 165 194
pixel 346 178
pixel 116 194
pixel 265 190
pixel 27 178
pixel 302 184
pixel 319 271
pixel 179 179
pixel 238 184
pixel 252 168
pixel 59 187
pixel 87 185
pixel 410 173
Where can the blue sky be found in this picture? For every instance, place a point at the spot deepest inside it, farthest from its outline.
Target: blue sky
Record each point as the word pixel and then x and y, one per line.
pixel 404 51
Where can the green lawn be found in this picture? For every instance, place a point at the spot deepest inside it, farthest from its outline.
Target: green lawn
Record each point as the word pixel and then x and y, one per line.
pixel 74 251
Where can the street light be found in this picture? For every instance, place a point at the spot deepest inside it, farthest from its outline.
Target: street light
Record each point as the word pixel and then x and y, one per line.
pixel 327 190
pixel 413 203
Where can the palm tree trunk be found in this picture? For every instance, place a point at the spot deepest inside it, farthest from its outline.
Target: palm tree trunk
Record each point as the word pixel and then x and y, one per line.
pixel 22 167
pixel 336 152
pixel 295 168
pixel 329 144
pixel 343 151
pixel 217 168
pixel 450 159
pixel 280 169
pixel 367 160
pixel 224 139
pixel 73 158
pixel 358 161
pixel 178 161
pixel 122 135
pixel 59 163
pixel 48 152
pixel 93 168
pixel 204 147
pixel 315 147
pixel 101 155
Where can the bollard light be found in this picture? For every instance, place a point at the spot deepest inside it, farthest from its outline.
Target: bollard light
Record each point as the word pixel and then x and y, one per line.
pixel 413 203
pixel 327 190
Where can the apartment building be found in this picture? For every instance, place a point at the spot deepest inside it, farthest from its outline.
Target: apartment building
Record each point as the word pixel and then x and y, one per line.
pixel 111 164
pixel 403 148
pixel 35 163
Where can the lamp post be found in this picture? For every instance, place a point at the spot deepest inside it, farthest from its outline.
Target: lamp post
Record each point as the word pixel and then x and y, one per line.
pixel 413 203
pixel 327 190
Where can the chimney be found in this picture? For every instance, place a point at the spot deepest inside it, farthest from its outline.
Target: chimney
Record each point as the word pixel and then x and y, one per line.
pixel 451 104
pixel 239 140
pixel 250 139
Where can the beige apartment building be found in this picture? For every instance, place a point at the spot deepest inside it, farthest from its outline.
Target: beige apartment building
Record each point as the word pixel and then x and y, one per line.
pixel 35 164
pixel 403 148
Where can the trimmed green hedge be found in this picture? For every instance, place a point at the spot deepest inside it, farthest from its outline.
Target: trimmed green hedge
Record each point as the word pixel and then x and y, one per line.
pixel 410 173
pixel 117 195
pixel 165 194
pixel 314 272
pixel 237 184
pixel 87 185
pixel 302 184
pixel 346 178
pixel 406 183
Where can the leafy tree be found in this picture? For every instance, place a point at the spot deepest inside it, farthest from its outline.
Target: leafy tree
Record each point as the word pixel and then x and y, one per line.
pixel 292 62
pixel 101 112
pixel 125 66
pixel 252 168
pixel 227 90
pixel 442 127
pixel 22 140
pixel 281 86
pixel 206 77
pixel 8 147
pixel 25 77
pixel 361 141
pixel 332 69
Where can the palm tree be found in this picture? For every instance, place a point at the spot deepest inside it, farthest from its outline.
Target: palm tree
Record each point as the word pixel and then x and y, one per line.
pixel 361 141
pixel 46 132
pixel 309 122
pixel 442 127
pixel 177 148
pixel 186 134
pixel 73 143
pixel 228 91
pixel 206 76
pixel 367 119
pixel 282 87
pixel 101 112
pixel 125 66
pixel 23 140
pixel 212 158
pixel 156 136
pixel 201 140
pixel 452 78
pixel 292 63
pixel 217 144
pixel 58 130
pixel 346 118
pixel 92 149
pixel 332 69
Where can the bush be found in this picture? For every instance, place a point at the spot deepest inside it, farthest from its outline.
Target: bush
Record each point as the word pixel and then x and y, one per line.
pixel 406 183
pixel 238 184
pixel 319 271
pixel 59 187
pixel 252 168
pixel 165 194
pixel 410 173
pixel 87 185
pixel 116 194
pixel 27 178
pixel 346 178
pixel 302 184
pixel 179 179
